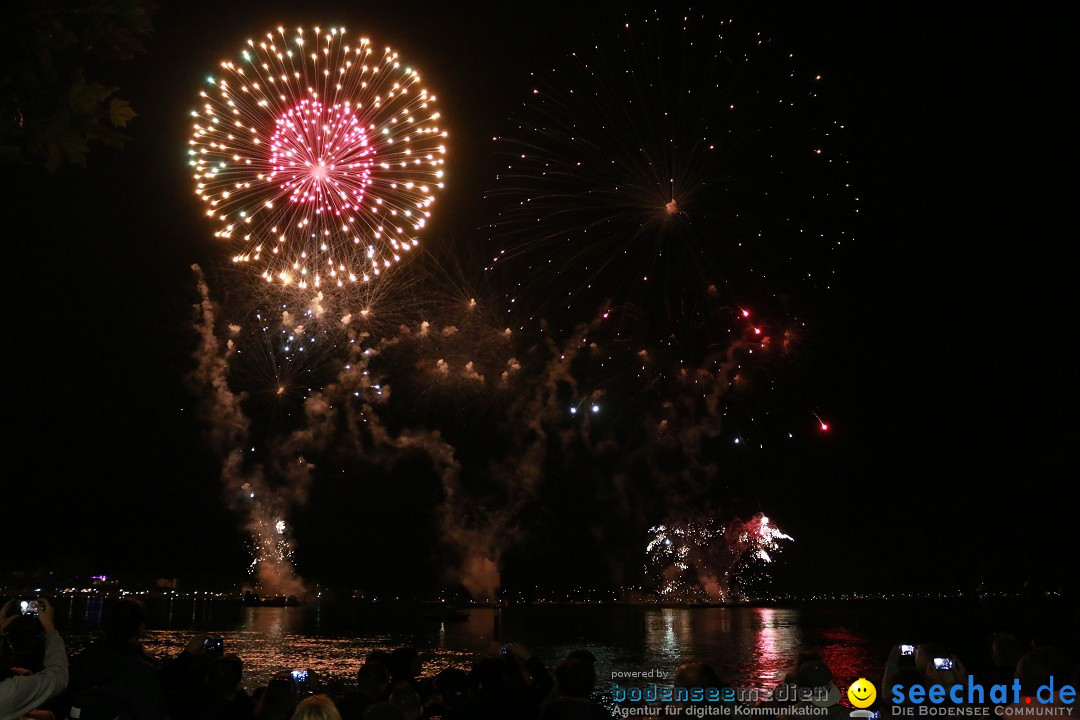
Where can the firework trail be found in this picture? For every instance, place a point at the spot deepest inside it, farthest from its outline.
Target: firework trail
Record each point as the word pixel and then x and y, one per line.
pixel 682 175
pixel 581 407
pixel 668 302
pixel 338 418
pixel 246 488
pixel 430 385
pixel 317 157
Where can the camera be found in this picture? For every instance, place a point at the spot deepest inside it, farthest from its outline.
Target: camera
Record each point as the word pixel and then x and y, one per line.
pixel 943 663
pixel 505 650
pixel 907 649
pixel 214 644
pixel 300 676
pixel 30 607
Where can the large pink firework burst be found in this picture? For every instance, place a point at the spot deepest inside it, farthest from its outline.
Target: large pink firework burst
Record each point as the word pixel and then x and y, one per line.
pixel 323 156
pixel 317 157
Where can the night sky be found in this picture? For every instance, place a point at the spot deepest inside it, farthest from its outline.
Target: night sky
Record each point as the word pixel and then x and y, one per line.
pixel 943 358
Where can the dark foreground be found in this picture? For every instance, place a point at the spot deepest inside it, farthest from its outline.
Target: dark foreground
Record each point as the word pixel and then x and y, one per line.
pixel 547 661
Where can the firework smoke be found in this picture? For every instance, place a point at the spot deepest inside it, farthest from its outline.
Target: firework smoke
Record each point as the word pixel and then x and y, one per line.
pixel 643 298
pixel 552 406
pixel 245 485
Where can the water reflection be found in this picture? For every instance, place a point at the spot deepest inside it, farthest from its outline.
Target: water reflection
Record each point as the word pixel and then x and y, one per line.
pixel 95 606
pixel 844 654
pixel 778 641
pixel 667 636
pixel 750 647
pixel 271 622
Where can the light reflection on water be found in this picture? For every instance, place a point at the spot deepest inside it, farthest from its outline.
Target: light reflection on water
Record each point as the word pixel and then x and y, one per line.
pixel 754 647
pixel 750 647
pixel 271 639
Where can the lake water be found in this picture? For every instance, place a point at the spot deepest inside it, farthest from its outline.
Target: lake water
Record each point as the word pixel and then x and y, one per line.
pixel 749 646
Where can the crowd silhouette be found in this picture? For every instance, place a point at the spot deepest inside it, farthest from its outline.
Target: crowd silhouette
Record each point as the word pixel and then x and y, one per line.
pixel 114 678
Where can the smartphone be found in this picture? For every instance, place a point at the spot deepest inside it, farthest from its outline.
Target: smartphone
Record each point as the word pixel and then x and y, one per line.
pixel 30 607
pixel 214 644
pixel 907 649
pixel 300 676
pixel 943 663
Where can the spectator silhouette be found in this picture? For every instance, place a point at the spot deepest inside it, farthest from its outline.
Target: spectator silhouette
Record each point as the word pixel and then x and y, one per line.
pixel 452 686
pixel 115 676
pixel 278 699
pixel 496 693
pixel 405 697
pixel 372 686
pixel 816 679
pixel 225 696
pixel 184 679
pixel 384 711
pixel 316 707
pixel 404 665
pixel 37 670
pixel 575 679
pixel 1034 671
pixel 1006 651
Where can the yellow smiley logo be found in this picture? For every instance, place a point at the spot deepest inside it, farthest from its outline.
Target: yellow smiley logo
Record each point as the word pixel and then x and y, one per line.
pixel 862 693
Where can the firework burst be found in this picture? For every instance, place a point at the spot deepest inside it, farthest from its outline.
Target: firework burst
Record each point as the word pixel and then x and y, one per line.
pixel 707 559
pixel 681 158
pixel 667 192
pixel 317 157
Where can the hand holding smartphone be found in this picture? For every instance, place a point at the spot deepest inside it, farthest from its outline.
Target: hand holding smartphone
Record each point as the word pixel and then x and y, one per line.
pixel 30 607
